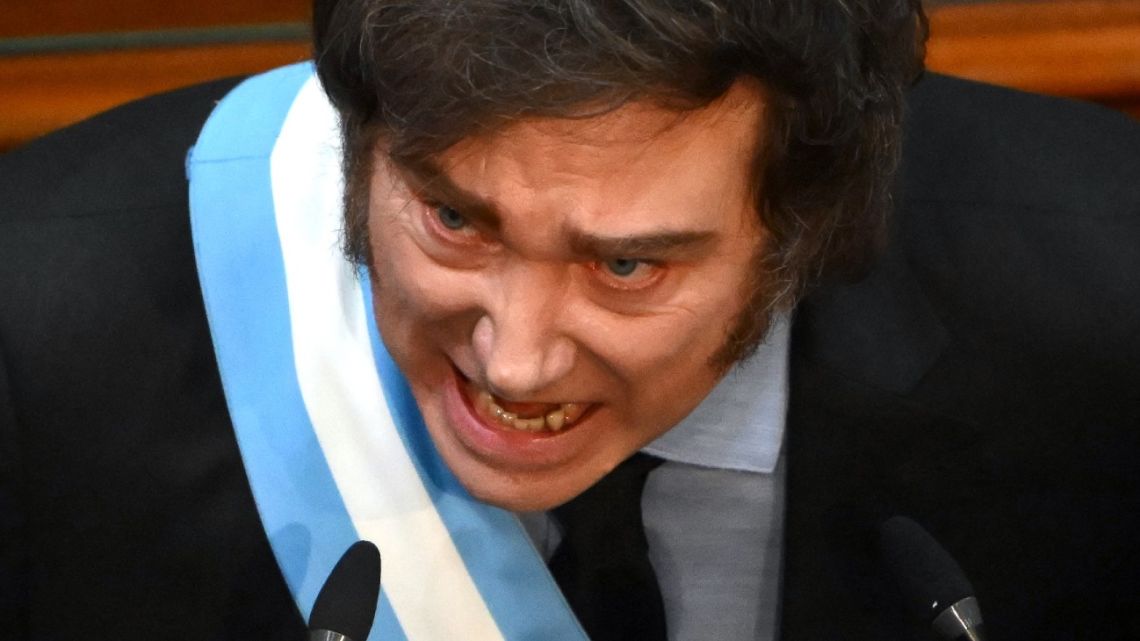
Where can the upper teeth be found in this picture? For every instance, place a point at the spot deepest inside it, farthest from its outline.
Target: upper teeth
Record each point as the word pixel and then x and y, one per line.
pixel 553 420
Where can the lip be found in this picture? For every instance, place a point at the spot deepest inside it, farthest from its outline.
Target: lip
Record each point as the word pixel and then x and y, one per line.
pixel 503 447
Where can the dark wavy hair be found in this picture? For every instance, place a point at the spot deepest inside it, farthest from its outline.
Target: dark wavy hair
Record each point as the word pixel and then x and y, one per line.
pixel 420 75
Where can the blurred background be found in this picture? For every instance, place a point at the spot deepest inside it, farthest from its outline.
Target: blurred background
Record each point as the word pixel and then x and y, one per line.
pixel 64 60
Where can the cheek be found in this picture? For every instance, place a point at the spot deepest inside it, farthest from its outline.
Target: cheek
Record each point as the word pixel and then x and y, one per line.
pixel 674 385
pixel 663 361
pixel 411 284
pixel 683 335
pixel 424 312
pixel 660 395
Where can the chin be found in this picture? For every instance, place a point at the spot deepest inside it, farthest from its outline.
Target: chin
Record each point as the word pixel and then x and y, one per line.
pixel 518 502
pixel 523 492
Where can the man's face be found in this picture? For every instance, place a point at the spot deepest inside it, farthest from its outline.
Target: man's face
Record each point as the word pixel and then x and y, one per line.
pixel 554 293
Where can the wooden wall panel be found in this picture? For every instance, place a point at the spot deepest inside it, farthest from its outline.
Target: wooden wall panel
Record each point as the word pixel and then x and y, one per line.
pixel 43 93
pixel 54 17
pixel 1087 49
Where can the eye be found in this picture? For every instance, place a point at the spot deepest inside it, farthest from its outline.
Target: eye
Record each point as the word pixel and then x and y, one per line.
pixel 446 224
pixel 622 267
pixel 628 274
pixel 445 231
pixel 450 218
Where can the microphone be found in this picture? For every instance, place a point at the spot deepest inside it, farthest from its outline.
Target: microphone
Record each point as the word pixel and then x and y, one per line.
pixel 346 604
pixel 932 583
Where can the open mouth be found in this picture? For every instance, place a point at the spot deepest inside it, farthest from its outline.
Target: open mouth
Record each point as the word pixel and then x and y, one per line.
pixel 523 417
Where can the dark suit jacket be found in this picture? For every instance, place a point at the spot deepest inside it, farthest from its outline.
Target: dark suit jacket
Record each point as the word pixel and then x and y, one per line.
pixel 982 380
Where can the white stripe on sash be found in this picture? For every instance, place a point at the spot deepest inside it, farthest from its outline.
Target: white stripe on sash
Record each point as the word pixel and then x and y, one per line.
pixel 422 570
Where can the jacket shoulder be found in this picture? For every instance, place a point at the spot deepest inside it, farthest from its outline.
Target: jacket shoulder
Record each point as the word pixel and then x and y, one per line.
pixel 129 157
pixel 969 142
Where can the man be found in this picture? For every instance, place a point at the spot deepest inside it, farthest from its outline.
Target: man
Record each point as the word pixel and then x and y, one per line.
pixel 577 222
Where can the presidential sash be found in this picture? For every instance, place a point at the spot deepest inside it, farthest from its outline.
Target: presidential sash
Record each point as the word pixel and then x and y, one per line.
pixel 333 444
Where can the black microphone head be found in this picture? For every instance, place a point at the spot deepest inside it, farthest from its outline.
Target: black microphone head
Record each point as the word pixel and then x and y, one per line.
pixel 928 577
pixel 347 601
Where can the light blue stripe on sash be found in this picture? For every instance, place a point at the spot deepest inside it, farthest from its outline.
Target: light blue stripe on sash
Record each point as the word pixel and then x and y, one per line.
pixel 241 266
pixel 231 202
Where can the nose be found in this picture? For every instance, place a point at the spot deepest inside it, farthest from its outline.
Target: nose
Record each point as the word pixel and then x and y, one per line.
pixel 518 340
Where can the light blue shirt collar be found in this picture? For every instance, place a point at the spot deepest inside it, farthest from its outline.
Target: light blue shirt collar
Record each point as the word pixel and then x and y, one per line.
pixel 740 424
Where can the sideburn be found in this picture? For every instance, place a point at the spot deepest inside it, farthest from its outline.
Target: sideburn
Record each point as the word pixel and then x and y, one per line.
pixel 767 292
pixel 360 149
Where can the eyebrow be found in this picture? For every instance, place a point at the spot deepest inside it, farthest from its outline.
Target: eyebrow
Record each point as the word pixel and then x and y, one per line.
pixel 429 180
pixel 659 244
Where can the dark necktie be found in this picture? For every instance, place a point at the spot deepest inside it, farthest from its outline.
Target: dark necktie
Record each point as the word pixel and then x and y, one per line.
pixel 602 564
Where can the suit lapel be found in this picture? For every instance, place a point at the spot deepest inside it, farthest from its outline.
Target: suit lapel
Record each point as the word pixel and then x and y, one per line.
pixel 857 351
